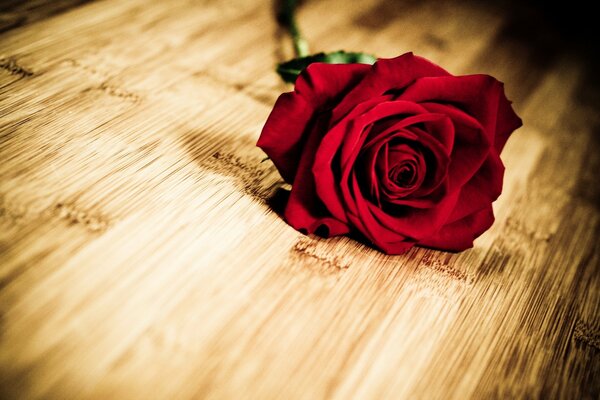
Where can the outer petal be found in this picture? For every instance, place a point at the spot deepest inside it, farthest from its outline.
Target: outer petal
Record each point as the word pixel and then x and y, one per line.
pixel 387 75
pixel 477 95
pixel 506 123
pixel 460 234
pixel 304 211
pixel 395 248
pixel 284 133
pixel 416 223
pixel 481 190
pixel 322 84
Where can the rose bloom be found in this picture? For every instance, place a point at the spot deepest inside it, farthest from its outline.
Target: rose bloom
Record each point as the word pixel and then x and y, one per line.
pixel 401 152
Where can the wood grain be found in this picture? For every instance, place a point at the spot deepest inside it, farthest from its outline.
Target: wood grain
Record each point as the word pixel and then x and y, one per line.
pixel 142 256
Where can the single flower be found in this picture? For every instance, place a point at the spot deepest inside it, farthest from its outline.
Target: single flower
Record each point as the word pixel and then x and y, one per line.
pixel 401 151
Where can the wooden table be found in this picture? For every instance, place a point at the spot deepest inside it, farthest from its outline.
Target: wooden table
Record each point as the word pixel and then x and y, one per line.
pixel 141 256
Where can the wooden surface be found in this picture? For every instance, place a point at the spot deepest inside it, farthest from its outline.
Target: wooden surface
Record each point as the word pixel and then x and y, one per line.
pixel 141 256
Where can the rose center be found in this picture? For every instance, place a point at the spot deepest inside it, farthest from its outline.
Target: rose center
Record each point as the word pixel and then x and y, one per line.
pixel 403 174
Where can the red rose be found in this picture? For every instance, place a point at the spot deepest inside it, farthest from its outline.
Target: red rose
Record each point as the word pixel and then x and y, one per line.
pixel 401 151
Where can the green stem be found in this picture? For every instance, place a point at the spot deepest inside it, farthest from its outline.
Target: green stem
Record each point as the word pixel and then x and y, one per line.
pixel 288 18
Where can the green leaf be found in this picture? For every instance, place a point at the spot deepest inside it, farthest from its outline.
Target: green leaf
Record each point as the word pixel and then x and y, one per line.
pixel 290 70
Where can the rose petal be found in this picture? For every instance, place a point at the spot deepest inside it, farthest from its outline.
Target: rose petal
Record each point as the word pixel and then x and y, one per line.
pixel 389 191
pixel 349 135
pixel 393 158
pixel 471 146
pixel 438 126
pixel 481 190
pixel 460 234
pixel 423 195
pixel 379 226
pixel 327 186
pixel 371 228
pixel 477 95
pixel 355 138
pixel 417 223
pixel 321 84
pixel 284 133
pixel 394 155
pixel 396 248
pixel 304 211
pixel 507 122
pixel 386 74
pixel 365 167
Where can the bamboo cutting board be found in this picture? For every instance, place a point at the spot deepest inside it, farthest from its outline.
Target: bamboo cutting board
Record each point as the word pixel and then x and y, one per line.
pixel 142 256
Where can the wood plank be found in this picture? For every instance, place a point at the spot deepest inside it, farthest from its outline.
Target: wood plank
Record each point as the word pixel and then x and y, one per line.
pixel 141 254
